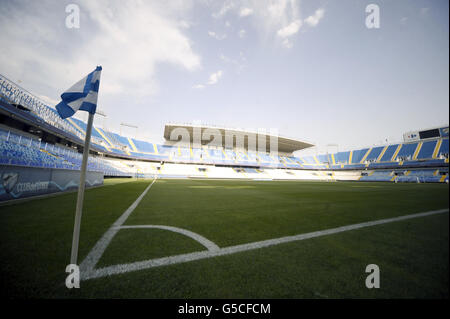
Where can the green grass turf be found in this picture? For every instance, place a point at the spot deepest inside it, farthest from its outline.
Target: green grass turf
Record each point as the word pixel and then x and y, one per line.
pixel 413 255
pixel 36 236
pixel 236 212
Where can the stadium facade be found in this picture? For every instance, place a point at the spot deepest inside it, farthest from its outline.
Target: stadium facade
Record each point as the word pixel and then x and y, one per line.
pixel 32 135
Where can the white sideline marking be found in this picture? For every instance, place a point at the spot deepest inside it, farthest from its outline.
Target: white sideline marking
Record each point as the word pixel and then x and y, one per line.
pixel 124 268
pixel 202 240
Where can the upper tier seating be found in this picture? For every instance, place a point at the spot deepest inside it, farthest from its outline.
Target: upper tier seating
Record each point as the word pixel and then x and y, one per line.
pixel 341 157
pixel 358 155
pixel 443 151
pixel 427 149
pixel 406 152
pixel 389 153
pixel 374 153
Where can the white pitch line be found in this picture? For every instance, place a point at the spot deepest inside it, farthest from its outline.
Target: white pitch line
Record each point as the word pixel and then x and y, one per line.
pixel 202 240
pixel 94 255
pixel 124 268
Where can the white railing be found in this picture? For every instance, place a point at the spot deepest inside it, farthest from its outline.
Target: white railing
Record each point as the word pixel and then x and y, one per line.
pixel 18 95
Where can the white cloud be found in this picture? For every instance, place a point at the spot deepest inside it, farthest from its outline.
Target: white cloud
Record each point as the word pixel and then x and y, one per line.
pixel 241 33
pixel 273 19
pixel 214 77
pixel 290 30
pixel 119 35
pixel 244 12
pixel 314 19
pixel 277 9
pixel 216 36
pixel 227 6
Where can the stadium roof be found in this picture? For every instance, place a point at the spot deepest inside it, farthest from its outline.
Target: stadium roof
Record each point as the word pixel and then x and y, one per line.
pixel 230 137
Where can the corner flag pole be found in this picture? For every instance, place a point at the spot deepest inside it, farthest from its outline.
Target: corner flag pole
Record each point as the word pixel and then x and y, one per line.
pixel 82 96
pixel 81 187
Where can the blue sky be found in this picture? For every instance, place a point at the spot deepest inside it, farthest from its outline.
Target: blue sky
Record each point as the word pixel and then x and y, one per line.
pixel 311 69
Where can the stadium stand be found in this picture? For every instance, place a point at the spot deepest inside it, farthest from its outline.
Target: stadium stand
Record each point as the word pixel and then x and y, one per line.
pixel 388 153
pixel 374 153
pixel 118 155
pixel 406 152
pixel 427 149
pixel 23 151
pixel 342 157
pixel 443 150
pixel 358 156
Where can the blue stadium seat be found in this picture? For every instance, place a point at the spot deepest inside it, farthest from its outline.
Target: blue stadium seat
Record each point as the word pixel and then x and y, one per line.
pixel 144 147
pixel 387 156
pixel 374 153
pixel 341 157
pixel 444 148
pixel 358 155
pixel 427 149
pixel 406 152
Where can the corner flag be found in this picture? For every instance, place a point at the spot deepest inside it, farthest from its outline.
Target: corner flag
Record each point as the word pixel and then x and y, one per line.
pixel 81 96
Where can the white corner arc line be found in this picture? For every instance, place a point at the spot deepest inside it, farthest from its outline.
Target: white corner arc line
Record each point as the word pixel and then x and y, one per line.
pixel 202 240
pixel 94 255
pixel 140 265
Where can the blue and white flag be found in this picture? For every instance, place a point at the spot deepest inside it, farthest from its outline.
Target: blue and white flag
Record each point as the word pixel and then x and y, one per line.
pixel 81 96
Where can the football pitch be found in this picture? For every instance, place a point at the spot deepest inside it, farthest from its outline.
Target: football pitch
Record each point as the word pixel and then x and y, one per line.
pixel 231 239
